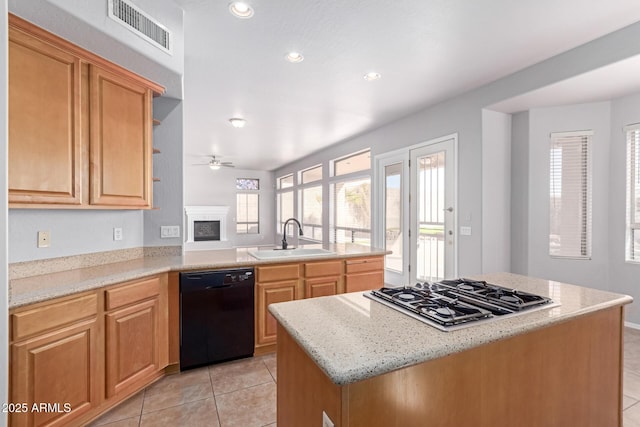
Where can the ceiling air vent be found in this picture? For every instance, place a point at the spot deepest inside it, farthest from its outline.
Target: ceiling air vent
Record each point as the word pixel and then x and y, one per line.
pixel 127 14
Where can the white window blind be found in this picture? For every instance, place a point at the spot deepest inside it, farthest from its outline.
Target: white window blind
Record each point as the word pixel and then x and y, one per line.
pixel 247 213
pixel 633 193
pixel 570 195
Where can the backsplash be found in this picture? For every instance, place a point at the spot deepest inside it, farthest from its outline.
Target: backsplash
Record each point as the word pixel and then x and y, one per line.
pixel 19 270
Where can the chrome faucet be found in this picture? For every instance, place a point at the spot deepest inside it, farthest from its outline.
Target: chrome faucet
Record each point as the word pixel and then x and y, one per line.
pixel 284 231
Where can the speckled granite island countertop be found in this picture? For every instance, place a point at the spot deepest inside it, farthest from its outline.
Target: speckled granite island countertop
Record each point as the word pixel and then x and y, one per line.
pixel 352 338
pixel 45 286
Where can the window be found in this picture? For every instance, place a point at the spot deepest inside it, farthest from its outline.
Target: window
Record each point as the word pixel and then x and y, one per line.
pixel 352 163
pixel 285 182
pixel 351 203
pixel 247 213
pixel 311 175
pixel 633 193
pixel 311 212
pixel 247 184
pixel 285 208
pixel 570 195
pixel 284 200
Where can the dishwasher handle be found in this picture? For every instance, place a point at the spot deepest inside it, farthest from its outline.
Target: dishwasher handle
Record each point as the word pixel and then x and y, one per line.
pixel 218 286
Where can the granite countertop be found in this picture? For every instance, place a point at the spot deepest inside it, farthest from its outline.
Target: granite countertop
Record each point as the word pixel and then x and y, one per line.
pixel 352 338
pixel 39 288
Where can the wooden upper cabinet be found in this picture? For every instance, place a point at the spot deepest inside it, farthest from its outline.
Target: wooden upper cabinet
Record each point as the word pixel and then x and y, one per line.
pixel 80 127
pixel 121 147
pixel 44 123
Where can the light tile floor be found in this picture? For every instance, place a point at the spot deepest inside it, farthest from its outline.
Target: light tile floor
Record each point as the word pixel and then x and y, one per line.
pixel 243 393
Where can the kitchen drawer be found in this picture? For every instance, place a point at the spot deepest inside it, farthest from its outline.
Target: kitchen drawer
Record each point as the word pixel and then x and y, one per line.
pixel 321 269
pixel 361 265
pixel 132 292
pixel 50 316
pixel 278 272
pixel 364 281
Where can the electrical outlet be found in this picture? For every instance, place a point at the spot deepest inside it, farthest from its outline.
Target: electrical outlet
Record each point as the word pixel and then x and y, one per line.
pixel 169 231
pixel 117 233
pixel 44 239
pixel 326 421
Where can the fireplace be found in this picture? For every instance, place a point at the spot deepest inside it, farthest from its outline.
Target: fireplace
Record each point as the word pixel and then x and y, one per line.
pixel 205 225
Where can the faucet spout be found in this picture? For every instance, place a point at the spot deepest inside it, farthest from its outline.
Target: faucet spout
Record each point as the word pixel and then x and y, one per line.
pixel 284 231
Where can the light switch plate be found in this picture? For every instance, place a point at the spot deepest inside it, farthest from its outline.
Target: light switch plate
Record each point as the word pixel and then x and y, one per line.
pixel 465 231
pixel 169 231
pixel 117 233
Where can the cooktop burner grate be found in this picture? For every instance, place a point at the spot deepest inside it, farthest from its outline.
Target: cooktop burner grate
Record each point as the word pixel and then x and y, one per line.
pixel 451 303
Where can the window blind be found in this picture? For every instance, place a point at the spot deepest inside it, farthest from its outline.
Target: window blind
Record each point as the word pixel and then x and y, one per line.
pixel 633 193
pixel 570 195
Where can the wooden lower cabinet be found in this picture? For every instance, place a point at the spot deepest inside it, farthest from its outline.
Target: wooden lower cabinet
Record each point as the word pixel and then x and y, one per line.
pixel 131 347
pixel 323 278
pixel 566 374
pixel 270 293
pixel 59 368
pixel 76 357
pixel 363 274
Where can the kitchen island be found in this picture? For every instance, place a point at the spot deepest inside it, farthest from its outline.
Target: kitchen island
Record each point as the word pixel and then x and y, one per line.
pixel 365 364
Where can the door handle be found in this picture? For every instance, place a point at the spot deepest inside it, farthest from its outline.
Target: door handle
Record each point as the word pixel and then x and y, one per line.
pixel 449 209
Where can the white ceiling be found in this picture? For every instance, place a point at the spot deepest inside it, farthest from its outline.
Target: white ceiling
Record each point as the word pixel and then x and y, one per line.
pixel 426 51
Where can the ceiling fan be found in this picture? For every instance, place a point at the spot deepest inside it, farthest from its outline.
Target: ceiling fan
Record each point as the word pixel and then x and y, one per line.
pixel 215 164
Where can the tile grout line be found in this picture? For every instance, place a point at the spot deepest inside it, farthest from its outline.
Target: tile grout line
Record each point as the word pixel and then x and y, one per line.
pixel 215 401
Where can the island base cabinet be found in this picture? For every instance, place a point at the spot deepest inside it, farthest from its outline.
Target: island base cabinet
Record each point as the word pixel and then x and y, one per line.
pixel 567 374
pixel 55 376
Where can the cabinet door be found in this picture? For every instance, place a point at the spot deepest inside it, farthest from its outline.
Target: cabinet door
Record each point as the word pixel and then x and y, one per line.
pixel 120 147
pixel 270 293
pixel 132 346
pixel 321 287
pixel 57 368
pixel 45 156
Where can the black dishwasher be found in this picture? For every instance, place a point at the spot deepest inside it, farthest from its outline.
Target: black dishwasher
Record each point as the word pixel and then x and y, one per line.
pixel 216 316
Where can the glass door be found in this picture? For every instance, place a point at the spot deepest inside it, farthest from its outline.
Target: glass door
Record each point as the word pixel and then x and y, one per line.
pixel 432 212
pixel 393 213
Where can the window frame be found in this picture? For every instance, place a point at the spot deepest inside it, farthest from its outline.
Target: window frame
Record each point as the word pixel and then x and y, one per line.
pixel 354 176
pixel 248 223
pixel 632 226
pixel 586 231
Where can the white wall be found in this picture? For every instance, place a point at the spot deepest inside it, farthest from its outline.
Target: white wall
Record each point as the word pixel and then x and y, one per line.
pixel 520 193
pixel 4 286
pixel 624 277
pixel 542 122
pixel 204 187
pixel 496 191
pixel 167 165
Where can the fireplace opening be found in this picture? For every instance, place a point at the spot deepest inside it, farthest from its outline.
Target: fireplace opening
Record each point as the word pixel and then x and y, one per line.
pixel 206 230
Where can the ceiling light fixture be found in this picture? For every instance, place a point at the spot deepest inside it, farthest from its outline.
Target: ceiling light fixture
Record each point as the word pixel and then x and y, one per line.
pixel 372 76
pixel 214 165
pixel 294 57
pixel 240 10
pixel 237 122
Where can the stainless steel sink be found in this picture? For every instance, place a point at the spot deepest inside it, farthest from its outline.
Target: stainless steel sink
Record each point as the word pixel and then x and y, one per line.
pixel 289 253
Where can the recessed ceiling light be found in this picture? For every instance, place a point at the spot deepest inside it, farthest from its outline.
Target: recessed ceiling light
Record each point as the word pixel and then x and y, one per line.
pixel 237 122
pixel 240 9
pixel 294 57
pixel 372 76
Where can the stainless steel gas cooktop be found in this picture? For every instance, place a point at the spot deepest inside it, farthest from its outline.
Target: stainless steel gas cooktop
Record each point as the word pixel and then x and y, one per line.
pixel 454 304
